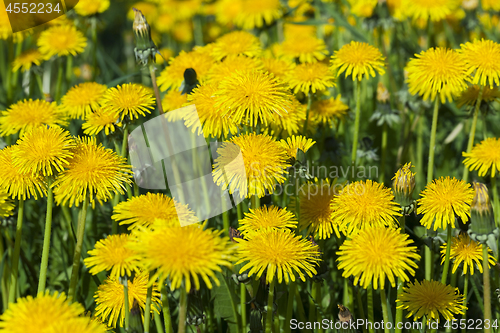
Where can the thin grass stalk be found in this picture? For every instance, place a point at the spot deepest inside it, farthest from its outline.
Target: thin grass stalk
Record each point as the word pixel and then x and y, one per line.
pixel 243 301
pixel 385 313
pixel 182 311
pixel 270 303
pixel 447 257
pixel 399 311
pixel 80 232
pixel 466 286
pixel 357 94
pixel 167 319
pixel 17 250
pixel 430 169
pixel 369 302
pixel 383 154
pixel 361 310
pixel 312 306
pixel 289 308
pixel 147 308
pixel 472 132
pixel 46 240
pixel 486 289
pixel 93 31
pixel 126 301
pixel 308 109
pixel 69 69
pixel 60 71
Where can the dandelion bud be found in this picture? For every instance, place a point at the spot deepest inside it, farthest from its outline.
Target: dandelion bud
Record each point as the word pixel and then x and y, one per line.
pixel 145 49
pixel 403 185
pixel 382 93
pixel 482 227
pixel 344 314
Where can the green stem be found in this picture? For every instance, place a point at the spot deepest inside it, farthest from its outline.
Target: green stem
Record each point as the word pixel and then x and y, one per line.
pixel 270 303
pixel 243 300
pixel 239 211
pixel 312 306
pixel 159 327
pixel 147 309
pixel 383 300
pixel 399 311
pixel 430 169
pixel 46 241
pixel 496 205
pixel 317 298
pixel 93 29
pixel 38 79
pixel 69 69
pixel 420 154
pixel 369 301
pixel 4 279
pixel 80 232
pixel 309 102
pixel 472 132
pixel 383 154
pixel 59 79
pixel 255 201
pixel 127 305
pixel 289 307
pixel 17 251
pixel 357 93
pixel 123 152
pixel 486 288
pixel 155 87
pixel 182 311
pixel 447 257
pixel 466 285
pixel 167 320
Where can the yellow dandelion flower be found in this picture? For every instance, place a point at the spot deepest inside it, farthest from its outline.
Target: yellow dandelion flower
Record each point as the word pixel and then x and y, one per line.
pixel 142 211
pixel 483 157
pixel 230 65
pixel 296 28
pixel 210 118
pixel 362 204
pixel 359 60
pixel 82 99
pixel 129 99
pixel 257 13
pixel 363 8
pixel 437 72
pixel 306 50
pixel 263 165
pixel 315 209
pixel 250 97
pixel 44 150
pixel 376 253
pixel 26 115
pixel 61 40
pixel 279 253
pixel 310 77
pixel 423 10
pixel 91 7
pixel 292 122
pixel 236 43
pixel 490 5
pixel 328 111
pixel 94 172
pixel 17 184
pixel 469 97
pixel 278 67
pixel 110 298
pixel 26 60
pixel 184 254
pixel 173 75
pixel 430 299
pixel 173 100
pixel 292 144
pixel 483 61
pixel 267 217
pixel 6 205
pixel 465 250
pixel 226 11
pixel 100 120
pixel 46 313
pixel 5 27
pixel 442 200
pixel 112 254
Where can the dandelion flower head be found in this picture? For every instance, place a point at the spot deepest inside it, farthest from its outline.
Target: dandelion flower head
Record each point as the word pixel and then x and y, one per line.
pixel 359 60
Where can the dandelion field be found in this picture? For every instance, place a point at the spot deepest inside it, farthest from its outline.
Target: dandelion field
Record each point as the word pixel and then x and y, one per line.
pixel 328 166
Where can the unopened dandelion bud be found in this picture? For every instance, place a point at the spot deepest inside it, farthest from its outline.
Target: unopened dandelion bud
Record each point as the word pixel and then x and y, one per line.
pixel 382 93
pixel 403 185
pixel 482 222
pixel 344 314
pixel 145 49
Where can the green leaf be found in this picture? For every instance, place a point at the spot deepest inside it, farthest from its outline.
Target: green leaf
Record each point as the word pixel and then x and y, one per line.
pixel 225 302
